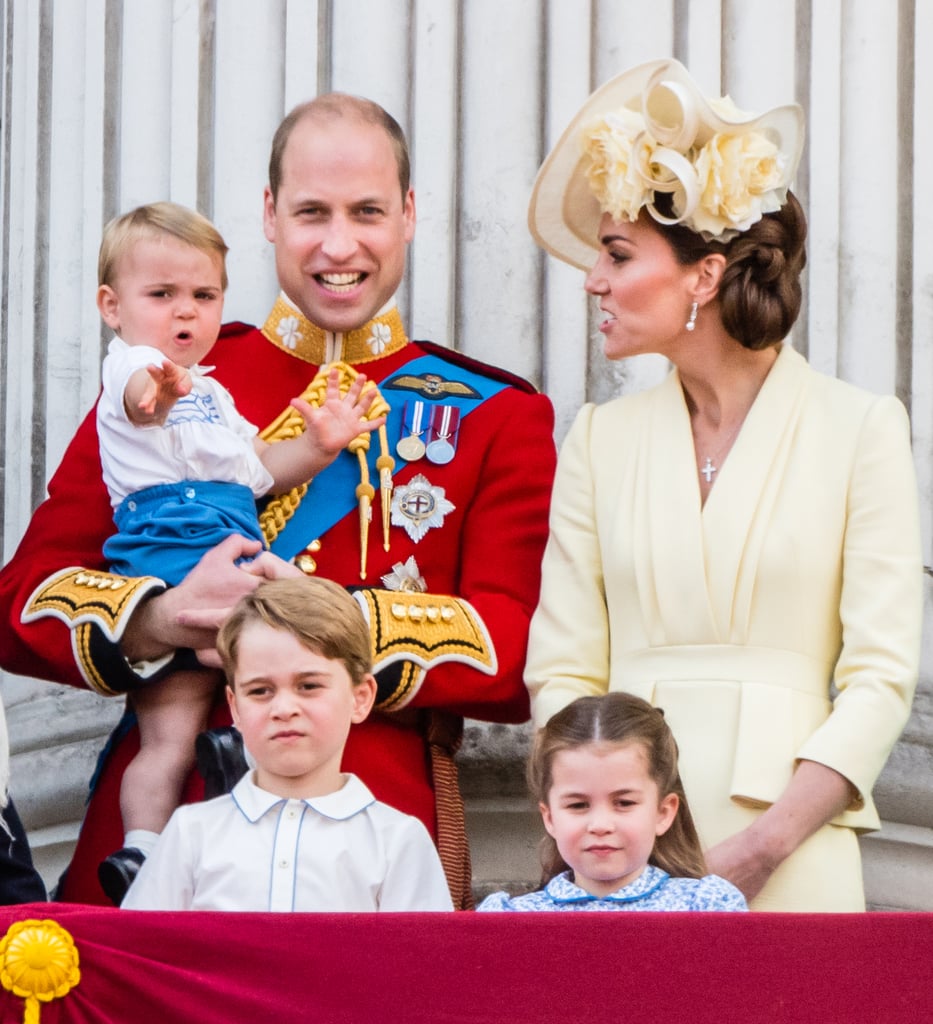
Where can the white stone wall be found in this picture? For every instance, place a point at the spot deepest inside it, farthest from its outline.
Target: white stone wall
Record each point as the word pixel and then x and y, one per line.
pixel 109 103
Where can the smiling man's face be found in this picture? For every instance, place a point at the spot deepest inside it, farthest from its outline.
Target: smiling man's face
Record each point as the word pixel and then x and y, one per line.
pixel 340 222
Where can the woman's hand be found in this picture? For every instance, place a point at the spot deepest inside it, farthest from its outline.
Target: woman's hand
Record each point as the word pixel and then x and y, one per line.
pixel 816 794
pixel 743 860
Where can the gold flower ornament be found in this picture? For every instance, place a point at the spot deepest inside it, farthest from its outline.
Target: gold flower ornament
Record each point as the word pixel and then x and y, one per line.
pixel 38 962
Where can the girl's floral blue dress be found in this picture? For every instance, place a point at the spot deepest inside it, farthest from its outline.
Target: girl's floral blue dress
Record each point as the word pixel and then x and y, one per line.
pixel 654 889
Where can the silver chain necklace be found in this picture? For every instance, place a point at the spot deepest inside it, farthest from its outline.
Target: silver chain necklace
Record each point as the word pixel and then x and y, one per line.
pixel 709 468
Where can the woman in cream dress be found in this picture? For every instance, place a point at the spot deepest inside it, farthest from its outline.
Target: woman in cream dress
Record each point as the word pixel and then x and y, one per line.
pixel 739 545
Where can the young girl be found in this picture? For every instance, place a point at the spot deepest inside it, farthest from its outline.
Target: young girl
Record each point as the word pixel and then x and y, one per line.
pixel 620 834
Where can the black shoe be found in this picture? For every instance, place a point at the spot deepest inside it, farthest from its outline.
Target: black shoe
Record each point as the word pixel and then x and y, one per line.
pixel 116 872
pixel 221 760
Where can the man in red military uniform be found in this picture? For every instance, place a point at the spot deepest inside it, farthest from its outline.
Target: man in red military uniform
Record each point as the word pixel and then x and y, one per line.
pixel 438 523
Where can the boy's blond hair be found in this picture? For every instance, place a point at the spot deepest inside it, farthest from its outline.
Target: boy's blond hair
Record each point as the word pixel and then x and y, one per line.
pixel 321 615
pixel 152 221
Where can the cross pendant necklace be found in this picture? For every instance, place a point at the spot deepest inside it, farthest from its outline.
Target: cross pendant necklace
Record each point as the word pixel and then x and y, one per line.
pixel 709 468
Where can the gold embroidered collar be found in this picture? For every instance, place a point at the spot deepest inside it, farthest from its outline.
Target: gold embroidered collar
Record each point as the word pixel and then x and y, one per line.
pixel 288 329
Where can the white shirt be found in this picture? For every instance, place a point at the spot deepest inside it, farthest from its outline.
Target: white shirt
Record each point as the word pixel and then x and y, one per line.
pixel 251 850
pixel 203 437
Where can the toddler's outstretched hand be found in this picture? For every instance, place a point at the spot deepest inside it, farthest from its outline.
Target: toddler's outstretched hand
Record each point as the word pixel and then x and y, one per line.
pixel 164 386
pixel 330 427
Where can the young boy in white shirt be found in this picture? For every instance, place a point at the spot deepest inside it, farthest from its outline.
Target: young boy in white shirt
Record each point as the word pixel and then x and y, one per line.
pixel 295 833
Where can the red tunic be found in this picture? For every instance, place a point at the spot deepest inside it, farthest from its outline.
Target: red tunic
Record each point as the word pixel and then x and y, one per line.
pixel 488 551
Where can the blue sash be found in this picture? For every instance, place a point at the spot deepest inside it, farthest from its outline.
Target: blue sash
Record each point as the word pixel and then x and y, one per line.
pixel 332 493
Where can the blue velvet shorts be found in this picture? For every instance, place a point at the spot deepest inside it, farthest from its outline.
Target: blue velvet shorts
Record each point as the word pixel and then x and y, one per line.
pixel 163 531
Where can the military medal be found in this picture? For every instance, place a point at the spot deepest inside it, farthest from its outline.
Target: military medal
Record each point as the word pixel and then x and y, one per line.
pixel 410 447
pixel 442 434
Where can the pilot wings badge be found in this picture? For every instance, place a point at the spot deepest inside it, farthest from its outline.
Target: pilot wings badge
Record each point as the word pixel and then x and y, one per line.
pixel 431 385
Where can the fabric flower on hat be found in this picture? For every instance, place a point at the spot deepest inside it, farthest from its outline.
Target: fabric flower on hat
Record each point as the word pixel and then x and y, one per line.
pixel 719 188
pixel 616 145
pixel 639 143
pixel 739 177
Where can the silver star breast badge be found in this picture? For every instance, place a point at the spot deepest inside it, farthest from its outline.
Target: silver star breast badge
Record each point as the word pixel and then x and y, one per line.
pixel 418 507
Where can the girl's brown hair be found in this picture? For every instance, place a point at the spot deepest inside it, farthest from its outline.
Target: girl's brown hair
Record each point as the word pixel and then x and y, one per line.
pixel 618 718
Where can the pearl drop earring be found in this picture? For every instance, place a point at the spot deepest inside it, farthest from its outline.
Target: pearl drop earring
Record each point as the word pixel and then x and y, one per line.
pixel 692 321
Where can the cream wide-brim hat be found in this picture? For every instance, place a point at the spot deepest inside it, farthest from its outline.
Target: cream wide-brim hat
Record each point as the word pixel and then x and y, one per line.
pixel 564 215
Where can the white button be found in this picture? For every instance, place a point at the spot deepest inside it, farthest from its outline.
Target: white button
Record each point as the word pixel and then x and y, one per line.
pixel 283 863
pixel 189 492
pixel 131 505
